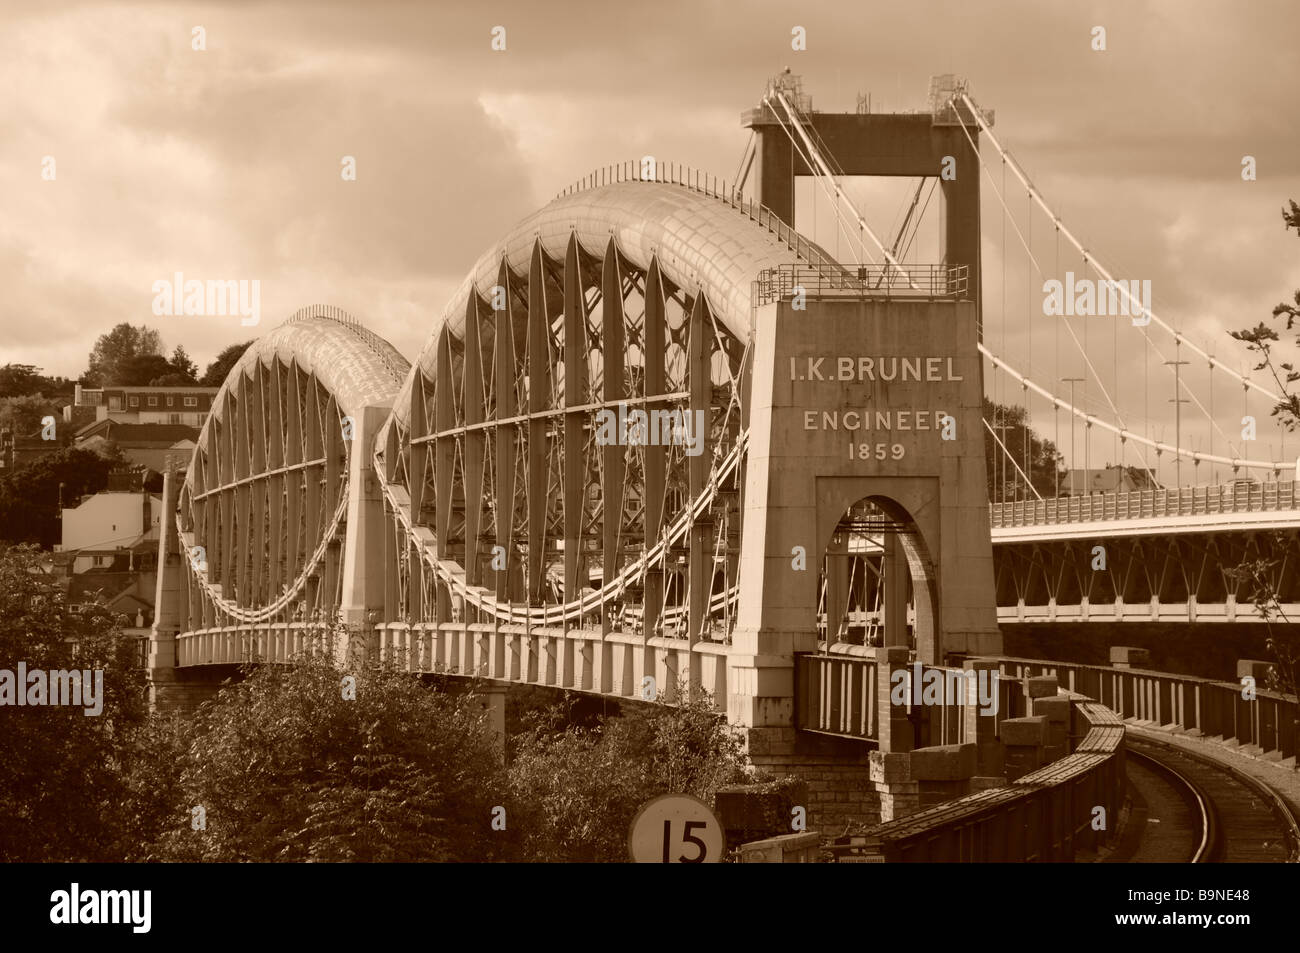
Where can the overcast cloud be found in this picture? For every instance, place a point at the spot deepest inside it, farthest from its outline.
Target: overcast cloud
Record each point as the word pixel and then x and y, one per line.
pixel 225 163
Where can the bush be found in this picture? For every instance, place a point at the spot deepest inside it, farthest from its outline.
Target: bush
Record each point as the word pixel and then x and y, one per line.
pixel 576 790
pixel 287 769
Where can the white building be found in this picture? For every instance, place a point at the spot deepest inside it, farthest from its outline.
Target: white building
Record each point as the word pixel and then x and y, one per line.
pixel 106 523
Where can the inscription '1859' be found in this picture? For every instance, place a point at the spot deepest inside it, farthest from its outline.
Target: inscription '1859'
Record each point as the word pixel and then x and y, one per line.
pixel 873 369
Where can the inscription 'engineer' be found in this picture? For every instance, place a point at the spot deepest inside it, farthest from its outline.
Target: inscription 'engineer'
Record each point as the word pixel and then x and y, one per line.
pixel 873 369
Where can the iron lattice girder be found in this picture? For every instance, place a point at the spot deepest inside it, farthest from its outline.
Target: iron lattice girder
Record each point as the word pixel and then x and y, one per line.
pixel 1169 569
pixel 536 411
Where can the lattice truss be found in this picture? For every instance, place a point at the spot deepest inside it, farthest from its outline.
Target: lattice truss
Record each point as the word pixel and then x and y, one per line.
pixel 1170 569
pixel 261 513
pixel 507 500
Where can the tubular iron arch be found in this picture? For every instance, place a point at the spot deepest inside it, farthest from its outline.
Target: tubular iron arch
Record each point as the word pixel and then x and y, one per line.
pixel 568 449
pixel 262 513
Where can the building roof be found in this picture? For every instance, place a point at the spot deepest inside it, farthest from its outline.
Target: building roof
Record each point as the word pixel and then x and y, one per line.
pixel 160 388
pixel 143 436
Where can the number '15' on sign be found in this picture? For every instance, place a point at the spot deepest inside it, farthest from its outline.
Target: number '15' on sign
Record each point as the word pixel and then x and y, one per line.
pixel 676 829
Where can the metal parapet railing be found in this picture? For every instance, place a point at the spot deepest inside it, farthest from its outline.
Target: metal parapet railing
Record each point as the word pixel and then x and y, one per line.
pixel 1149 504
pixel 863 281
pixel 1044 816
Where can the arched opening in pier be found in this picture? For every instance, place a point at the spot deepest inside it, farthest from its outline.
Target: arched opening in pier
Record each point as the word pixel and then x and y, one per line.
pixel 876 585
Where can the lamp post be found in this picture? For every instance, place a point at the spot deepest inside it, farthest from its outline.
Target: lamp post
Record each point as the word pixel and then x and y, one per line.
pixel 1178 402
pixel 1072 381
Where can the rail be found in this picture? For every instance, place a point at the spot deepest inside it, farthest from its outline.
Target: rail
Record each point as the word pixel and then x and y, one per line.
pixel 864 281
pixel 841 692
pixel 1149 504
pixel 1271 721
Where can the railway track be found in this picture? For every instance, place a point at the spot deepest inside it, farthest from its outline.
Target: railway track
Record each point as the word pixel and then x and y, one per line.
pixel 1209 811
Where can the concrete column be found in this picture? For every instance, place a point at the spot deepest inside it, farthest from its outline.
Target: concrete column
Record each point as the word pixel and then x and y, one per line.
pixel 1059 712
pixel 837 586
pixel 168 595
pixel 894 566
pixel 363 548
pixel 1025 739
pixel 895 731
pixel 981 729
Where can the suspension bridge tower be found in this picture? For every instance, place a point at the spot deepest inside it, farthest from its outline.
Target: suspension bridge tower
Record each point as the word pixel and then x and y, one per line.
pixel 865 410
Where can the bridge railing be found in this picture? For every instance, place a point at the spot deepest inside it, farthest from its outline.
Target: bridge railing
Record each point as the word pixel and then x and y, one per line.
pixel 1270 721
pixel 1149 504
pixel 842 692
pixel 577 659
pixel 838 694
pixel 1044 816
pixel 912 281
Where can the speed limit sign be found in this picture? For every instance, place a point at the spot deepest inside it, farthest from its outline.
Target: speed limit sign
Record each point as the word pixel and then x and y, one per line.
pixel 676 829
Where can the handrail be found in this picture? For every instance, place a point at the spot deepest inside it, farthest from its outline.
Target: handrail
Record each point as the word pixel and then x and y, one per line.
pixel 1239 497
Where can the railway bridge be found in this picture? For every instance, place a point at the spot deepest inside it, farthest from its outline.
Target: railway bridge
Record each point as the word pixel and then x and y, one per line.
pixel 660 443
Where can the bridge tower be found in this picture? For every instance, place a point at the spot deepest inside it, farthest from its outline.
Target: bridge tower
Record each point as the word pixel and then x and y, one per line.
pixel 866 389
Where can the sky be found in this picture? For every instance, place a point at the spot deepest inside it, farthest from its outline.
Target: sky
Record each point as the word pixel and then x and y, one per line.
pixel 224 163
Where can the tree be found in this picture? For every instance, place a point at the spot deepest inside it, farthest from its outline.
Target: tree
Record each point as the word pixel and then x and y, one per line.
pixel 289 769
pixel 29 496
pixel 183 366
pixel 22 416
pixel 576 790
pixel 26 380
pixel 141 370
pixel 1259 578
pixel 1260 339
pixel 1260 575
pixel 63 796
pixel 217 371
pixel 114 349
pixel 1046 465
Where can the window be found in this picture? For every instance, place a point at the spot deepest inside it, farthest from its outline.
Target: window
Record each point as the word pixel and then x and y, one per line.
pixel 133 401
pixel 169 400
pixel 115 402
pixel 191 402
pixel 153 400
pixel 174 419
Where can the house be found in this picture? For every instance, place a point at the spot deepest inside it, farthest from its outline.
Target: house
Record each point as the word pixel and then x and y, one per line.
pixel 154 446
pixel 143 405
pixel 112 529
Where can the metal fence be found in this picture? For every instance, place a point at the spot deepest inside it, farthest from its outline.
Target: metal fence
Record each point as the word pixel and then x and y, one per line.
pixel 864 281
pixel 1149 504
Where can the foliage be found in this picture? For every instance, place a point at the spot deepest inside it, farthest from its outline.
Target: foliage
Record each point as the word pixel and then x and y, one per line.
pixel 26 380
pixel 576 790
pixel 287 769
pixel 113 352
pixel 1259 575
pixel 1046 464
pixel 220 367
pixel 29 496
pixel 183 366
pixel 62 793
pixel 22 416
pixel 1261 339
